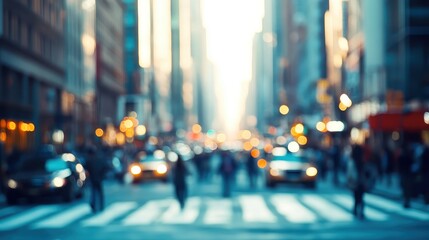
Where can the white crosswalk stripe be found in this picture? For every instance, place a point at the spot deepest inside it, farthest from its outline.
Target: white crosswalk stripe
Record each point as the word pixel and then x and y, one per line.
pixel 369 212
pixel 26 217
pixel 147 214
pixel 255 209
pixel 8 210
pixel 292 209
pixel 110 213
pixel 394 207
pixel 219 211
pixel 176 215
pixel 326 209
pixel 279 208
pixel 64 218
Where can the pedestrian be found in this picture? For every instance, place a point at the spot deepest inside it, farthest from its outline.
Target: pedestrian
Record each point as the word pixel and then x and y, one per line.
pixel 96 167
pixel 227 170
pixel 405 173
pixel 179 176
pixel 424 173
pixel 336 153
pixel 252 169
pixel 356 179
pixel 198 162
pixel 388 165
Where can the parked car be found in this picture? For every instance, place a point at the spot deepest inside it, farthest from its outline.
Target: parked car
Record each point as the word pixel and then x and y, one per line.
pixel 291 168
pixel 45 175
pixel 150 166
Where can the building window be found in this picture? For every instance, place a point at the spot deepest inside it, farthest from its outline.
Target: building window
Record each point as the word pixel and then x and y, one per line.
pixel 29 37
pixel 24 34
pixel 46 10
pixel 6 20
pixel 36 6
pixel 14 28
pixel 37 42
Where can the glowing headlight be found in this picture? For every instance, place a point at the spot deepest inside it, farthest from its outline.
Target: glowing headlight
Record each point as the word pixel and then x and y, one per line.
pixel 12 184
pixel 161 169
pixel 135 170
pixel 79 167
pixel 274 172
pixel 311 171
pixel 58 182
pixel 82 176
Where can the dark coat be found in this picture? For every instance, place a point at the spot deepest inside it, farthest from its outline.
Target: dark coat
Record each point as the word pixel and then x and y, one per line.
pixel 96 167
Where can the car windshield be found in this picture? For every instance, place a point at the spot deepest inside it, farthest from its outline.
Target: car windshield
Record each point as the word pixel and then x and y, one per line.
pixel 290 158
pixel 150 158
pixel 42 164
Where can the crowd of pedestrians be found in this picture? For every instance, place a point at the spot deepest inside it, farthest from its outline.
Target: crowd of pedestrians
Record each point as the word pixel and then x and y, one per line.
pixel 363 163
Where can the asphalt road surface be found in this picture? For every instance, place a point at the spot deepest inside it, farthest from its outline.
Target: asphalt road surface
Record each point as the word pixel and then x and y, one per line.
pixel 149 211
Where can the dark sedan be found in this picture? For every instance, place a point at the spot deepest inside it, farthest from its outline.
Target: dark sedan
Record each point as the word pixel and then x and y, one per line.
pixel 45 175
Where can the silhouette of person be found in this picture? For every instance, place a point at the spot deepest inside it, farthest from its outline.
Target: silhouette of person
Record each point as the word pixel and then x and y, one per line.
pixel 356 179
pixel 336 160
pixel 252 170
pixel 227 169
pixel 405 173
pixel 424 172
pixel 179 177
pixel 96 168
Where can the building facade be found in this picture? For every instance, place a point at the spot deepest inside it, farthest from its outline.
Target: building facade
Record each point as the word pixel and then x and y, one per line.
pixel 386 71
pixel 32 70
pixel 110 81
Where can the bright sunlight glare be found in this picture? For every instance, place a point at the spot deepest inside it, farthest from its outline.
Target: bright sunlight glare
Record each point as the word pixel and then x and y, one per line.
pixel 231 26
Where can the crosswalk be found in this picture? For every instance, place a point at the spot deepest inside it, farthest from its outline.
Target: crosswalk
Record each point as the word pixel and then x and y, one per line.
pixel 278 208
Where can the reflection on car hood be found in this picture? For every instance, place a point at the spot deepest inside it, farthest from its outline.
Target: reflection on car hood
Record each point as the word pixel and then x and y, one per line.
pixel 285 165
pixel 151 165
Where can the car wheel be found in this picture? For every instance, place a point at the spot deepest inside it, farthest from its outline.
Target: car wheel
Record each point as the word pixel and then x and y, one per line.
pixel 11 200
pixel 311 185
pixel 69 195
pixel 79 195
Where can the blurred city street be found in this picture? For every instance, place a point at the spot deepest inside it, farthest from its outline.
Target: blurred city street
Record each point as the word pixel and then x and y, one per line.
pixel 149 211
pixel 214 119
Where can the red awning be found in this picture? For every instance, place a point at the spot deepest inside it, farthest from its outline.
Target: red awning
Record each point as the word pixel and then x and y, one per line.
pixel 388 122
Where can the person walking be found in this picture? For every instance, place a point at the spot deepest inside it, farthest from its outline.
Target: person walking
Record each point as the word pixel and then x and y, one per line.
pixel 252 169
pixel 227 170
pixel 424 173
pixel 96 167
pixel 356 179
pixel 336 154
pixel 179 180
pixel 405 173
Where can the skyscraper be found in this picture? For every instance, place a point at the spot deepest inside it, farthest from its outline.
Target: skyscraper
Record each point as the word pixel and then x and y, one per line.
pixel 109 59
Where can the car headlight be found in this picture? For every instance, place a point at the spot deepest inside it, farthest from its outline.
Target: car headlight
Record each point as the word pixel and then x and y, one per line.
pixel 311 171
pixel 135 170
pixel 82 176
pixel 274 172
pixel 79 168
pixel 12 184
pixel 161 169
pixel 58 182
